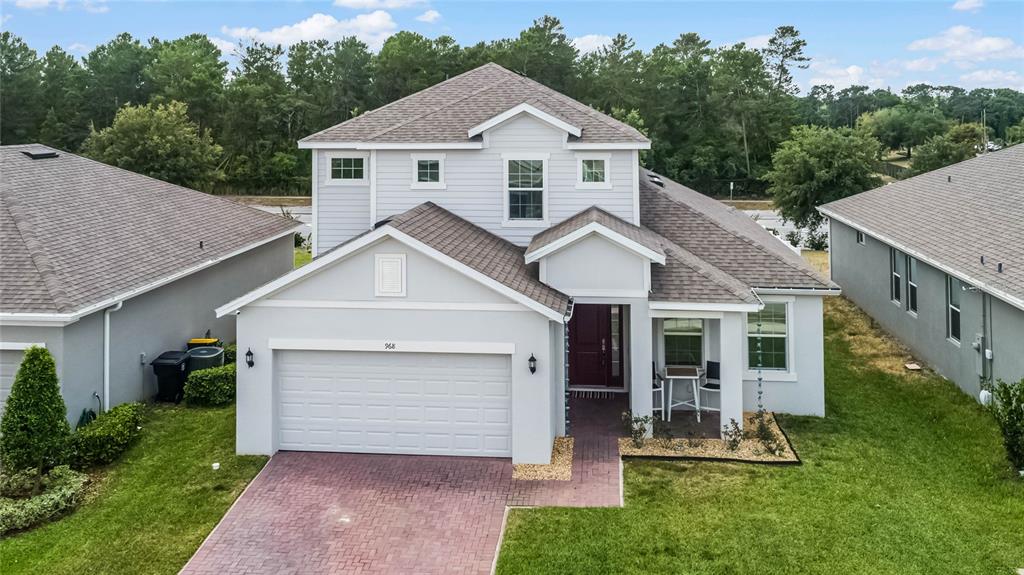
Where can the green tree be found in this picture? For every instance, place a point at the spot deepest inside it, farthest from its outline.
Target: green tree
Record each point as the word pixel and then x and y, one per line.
pixel 1015 134
pixel 63 97
pixel 542 52
pixel 785 50
pixel 819 165
pixel 20 105
pixel 34 430
pixel 331 81
pixel 116 78
pixel 406 64
pixel 159 141
pixel 939 152
pixel 614 75
pixel 187 70
pixel 903 127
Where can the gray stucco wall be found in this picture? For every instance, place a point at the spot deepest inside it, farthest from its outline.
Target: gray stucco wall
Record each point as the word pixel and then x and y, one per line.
pixel 154 322
pixel 863 272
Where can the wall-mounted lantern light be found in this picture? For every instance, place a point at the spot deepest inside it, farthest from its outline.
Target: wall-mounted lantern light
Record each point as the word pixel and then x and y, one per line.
pixel 533 364
pixel 248 358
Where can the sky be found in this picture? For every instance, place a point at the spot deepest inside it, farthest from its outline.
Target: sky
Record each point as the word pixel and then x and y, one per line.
pixel 881 44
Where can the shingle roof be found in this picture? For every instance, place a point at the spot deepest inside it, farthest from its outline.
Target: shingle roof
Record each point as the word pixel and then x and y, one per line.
pixel 445 112
pixel 594 214
pixel 722 237
pixel 954 216
pixel 76 232
pixel 479 249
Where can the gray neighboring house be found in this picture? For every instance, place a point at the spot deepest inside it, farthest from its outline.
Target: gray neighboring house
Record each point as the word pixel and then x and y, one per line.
pixel 92 255
pixel 938 261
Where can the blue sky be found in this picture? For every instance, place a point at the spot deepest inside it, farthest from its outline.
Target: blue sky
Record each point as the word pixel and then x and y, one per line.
pixel 971 43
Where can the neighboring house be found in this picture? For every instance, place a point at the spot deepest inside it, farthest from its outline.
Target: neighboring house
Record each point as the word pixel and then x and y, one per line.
pixel 487 245
pixel 107 269
pixel 938 261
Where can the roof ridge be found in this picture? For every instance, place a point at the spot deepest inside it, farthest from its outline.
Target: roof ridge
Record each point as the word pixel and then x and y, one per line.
pixel 41 261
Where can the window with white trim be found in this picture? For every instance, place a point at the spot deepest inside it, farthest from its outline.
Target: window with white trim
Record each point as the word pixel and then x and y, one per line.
pixel 860 238
pixel 912 285
pixel 428 171
pixel 895 277
pixel 684 341
pixel 953 289
pixel 346 169
pixel 592 170
pixel 769 329
pixel 525 189
pixel 389 275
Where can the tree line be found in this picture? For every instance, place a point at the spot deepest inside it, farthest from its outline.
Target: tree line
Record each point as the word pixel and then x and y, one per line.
pixel 715 114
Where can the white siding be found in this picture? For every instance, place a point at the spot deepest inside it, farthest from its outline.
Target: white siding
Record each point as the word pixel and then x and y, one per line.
pixel 474 186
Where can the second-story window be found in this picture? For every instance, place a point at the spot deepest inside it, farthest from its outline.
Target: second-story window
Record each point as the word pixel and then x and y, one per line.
pixel 592 170
pixel 428 171
pixel 347 170
pixel 525 189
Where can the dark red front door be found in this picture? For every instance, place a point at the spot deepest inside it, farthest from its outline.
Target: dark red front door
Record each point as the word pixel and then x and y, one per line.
pixel 590 346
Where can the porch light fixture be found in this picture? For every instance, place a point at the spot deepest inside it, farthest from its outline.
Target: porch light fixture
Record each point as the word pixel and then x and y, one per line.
pixel 533 364
pixel 248 358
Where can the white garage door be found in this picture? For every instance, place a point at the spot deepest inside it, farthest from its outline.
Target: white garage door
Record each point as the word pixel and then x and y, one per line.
pixel 9 362
pixel 378 402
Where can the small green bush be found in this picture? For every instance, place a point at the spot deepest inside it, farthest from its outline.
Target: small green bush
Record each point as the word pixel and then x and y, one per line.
pixel 213 386
pixel 1008 409
pixel 108 436
pixel 230 353
pixel 63 491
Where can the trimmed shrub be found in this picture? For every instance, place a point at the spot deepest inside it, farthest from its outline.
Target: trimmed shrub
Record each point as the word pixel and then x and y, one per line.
pixel 63 491
pixel 34 430
pixel 213 386
pixel 230 353
pixel 1008 408
pixel 107 437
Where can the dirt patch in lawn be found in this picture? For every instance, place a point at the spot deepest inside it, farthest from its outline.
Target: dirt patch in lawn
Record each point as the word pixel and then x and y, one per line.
pixel 751 449
pixel 560 468
pixel 874 348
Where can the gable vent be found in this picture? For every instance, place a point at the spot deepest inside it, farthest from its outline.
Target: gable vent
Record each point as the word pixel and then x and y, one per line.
pixel 390 275
pixel 41 154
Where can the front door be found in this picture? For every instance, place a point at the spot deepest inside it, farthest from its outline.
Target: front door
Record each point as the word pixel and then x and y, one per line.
pixel 593 351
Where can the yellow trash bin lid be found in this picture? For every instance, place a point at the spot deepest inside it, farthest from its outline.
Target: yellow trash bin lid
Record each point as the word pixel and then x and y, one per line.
pixel 201 341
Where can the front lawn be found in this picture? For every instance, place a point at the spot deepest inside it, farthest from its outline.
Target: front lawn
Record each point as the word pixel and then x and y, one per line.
pixel 152 508
pixel 905 475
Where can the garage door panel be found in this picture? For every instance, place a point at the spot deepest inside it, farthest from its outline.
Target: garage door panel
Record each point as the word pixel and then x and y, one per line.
pixel 395 403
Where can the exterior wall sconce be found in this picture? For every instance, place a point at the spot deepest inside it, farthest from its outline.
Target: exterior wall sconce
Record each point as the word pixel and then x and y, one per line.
pixel 533 364
pixel 248 358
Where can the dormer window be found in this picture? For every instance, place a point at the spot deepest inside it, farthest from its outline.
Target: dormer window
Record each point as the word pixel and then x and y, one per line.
pixel 525 190
pixel 347 169
pixel 428 171
pixel 592 171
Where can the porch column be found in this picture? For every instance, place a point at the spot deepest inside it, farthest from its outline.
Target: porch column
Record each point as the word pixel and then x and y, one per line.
pixel 640 356
pixel 732 367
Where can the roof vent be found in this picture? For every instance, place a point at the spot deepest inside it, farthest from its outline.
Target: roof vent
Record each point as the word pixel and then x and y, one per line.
pixel 999 267
pixel 656 181
pixel 40 154
pixel 949 179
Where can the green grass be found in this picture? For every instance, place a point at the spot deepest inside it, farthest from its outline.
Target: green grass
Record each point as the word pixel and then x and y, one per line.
pixel 302 257
pixel 905 475
pixel 152 508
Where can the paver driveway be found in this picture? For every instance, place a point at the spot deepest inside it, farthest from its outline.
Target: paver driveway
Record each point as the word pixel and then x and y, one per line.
pixel 355 513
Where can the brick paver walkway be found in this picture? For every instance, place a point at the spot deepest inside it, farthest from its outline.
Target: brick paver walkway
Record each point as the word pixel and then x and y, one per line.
pixel 353 513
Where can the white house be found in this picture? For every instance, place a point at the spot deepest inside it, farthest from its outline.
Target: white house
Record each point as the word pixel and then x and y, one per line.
pixel 487 246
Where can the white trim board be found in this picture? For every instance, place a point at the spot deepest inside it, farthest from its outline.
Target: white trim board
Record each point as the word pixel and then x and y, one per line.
pixel 595 228
pixel 608 146
pixel 62 319
pixel 798 291
pixel 680 306
pixel 389 305
pixel 524 108
pixel 18 346
pixel 388 146
pixel 1008 298
pixel 387 346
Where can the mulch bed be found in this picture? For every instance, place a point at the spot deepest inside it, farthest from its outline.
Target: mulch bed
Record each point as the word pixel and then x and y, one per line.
pixel 560 468
pixel 750 450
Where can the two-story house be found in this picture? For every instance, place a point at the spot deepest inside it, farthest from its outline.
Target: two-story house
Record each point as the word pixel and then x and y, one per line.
pixel 486 247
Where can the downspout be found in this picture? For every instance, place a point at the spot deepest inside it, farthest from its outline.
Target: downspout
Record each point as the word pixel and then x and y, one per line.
pixel 106 352
pixel 565 362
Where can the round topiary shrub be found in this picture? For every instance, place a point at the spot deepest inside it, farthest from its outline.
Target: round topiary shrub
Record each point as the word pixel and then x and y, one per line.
pixel 34 430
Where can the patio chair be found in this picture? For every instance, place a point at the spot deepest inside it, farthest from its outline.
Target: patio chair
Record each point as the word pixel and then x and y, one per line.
pixel 710 384
pixel 658 399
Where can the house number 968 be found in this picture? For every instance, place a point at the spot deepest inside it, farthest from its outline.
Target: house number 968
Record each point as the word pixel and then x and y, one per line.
pixel 389 345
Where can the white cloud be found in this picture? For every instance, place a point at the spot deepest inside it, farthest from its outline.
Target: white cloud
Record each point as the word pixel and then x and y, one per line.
pixel 40 4
pixel 758 42
pixel 963 46
pixel 430 16
pixel 4 18
pixel 993 79
pixel 829 71
pixel 226 47
pixel 377 4
pixel 921 64
pixel 96 6
pixel 968 5
pixel 591 43
pixel 77 48
pixel 372 28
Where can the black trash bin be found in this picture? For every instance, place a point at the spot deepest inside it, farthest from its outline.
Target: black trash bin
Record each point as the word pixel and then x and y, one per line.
pixel 171 369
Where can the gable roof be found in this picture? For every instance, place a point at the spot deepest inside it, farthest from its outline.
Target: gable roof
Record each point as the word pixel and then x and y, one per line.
pixel 76 233
pixel 595 220
pixel 951 217
pixel 722 237
pixel 450 239
pixel 445 113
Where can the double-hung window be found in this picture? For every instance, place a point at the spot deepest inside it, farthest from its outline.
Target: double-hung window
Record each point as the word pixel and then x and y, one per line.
pixel 767 334
pixel 895 277
pixel 428 171
pixel 684 341
pixel 953 290
pixel 593 171
pixel 347 169
pixel 912 285
pixel 525 190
